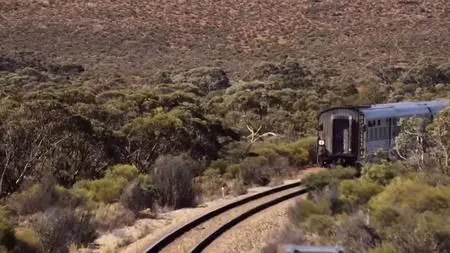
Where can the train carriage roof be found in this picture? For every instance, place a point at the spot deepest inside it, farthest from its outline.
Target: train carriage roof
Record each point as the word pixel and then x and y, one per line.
pixel 403 109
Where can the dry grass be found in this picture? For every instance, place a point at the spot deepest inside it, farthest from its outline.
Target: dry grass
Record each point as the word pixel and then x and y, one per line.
pixel 137 37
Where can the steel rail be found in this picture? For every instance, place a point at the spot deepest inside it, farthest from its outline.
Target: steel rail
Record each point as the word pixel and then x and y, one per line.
pixel 222 229
pixel 172 236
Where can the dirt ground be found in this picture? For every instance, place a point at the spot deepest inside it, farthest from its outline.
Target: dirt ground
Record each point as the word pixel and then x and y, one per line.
pixel 254 233
pixel 137 238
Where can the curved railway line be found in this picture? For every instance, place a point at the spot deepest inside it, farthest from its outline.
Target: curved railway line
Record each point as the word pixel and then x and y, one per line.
pixel 197 234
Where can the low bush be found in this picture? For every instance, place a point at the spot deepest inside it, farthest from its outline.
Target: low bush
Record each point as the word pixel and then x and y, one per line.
pixel 381 173
pixel 341 173
pixel 255 170
pixel 220 165
pixel 127 171
pixel 304 208
pixel 138 195
pixel 59 227
pixel 385 217
pixel 385 247
pixel 111 216
pixel 429 178
pixel 238 188
pixel 27 240
pixel 278 164
pixel 301 152
pixel 319 180
pixel 212 183
pixel 40 196
pixel 109 188
pixel 232 171
pixel 106 190
pixel 322 225
pixel 34 199
pixel 173 181
pixel 357 192
pixel 407 194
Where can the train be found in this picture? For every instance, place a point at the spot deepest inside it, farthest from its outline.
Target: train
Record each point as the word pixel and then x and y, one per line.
pixel 353 135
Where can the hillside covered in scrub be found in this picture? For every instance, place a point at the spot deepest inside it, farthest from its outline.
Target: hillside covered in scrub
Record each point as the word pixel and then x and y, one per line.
pixel 139 37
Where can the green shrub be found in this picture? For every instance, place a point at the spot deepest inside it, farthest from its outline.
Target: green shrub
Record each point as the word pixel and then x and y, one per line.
pixel 255 170
pixel 340 173
pixel 27 240
pixel 111 216
pixel 358 192
pixel 301 152
pixel 430 178
pixel 232 171
pixel 385 247
pixel 219 164
pixel 129 172
pixel 264 148
pixel 433 199
pixel 319 180
pixel 385 217
pixel 305 208
pixel 106 190
pixel 408 194
pixel 401 193
pixel 380 173
pixel 322 225
pixel 67 198
pixel 41 196
pixel 211 172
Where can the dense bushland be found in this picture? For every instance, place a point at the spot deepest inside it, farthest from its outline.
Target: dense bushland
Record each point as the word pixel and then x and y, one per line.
pixel 99 150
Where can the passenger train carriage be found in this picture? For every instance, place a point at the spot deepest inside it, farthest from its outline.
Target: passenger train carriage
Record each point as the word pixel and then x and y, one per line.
pixel 351 135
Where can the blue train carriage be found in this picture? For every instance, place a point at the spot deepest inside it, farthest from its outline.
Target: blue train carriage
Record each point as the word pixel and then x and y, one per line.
pixel 352 135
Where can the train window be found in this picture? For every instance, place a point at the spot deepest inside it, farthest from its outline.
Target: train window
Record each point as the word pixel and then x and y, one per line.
pixel 379 122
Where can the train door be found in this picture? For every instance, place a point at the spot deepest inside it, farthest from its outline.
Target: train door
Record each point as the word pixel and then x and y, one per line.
pixel 341 132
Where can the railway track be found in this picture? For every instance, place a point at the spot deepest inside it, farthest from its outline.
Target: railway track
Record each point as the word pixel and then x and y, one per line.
pixel 197 234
